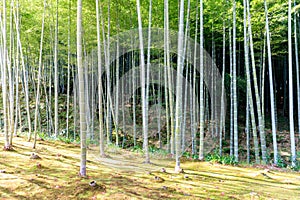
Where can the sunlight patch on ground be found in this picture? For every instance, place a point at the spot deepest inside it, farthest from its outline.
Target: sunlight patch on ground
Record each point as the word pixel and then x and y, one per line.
pixel 123 175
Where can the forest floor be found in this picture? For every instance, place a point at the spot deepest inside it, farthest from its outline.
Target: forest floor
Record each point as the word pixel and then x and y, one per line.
pixel 123 175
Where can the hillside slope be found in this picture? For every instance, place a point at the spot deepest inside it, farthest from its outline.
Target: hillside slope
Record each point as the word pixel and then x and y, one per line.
pixel 122 175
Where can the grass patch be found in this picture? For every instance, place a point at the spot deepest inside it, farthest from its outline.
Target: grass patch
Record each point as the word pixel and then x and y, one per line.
pixel 123 175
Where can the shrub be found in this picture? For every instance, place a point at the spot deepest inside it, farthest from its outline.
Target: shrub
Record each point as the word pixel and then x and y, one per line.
pixel 136 148
pixel 224 160
pixel 280 162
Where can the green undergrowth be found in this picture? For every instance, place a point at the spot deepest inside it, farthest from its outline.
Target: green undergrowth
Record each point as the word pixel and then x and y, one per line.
pixel 224 159
pixel 62 136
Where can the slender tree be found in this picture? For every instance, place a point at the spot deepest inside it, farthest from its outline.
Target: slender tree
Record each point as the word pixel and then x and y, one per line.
pixel 37 100
pixel 178 107
pixel 272 97
pixel 291 101
pixel 166 97
pixel 262 78
pixel 106 42
pixel 256 90
pixel 169 75
pixel 4 78
pixel 148 62
pixel 193 92
pixel 297 66
pixel 69 69
pixel 201 122
pixel 235 111
pixel 117 89
pixel 25 76
pixel 17 110
pixel 143 84
pixel 82 100
pixel 231 93
pixel 247 127
pixel 222 118
pixel 56 74
pixel 99 62
pixel 10 75
pixel 249 90
pixel 134 101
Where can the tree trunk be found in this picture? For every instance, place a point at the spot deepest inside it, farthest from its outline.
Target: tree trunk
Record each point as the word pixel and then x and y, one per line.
pixel 69 73
pixel 10 76
pixel 201 120
pixel 99 63
pixel 249 90
pixel 37 101
pixel 235 111
pixel 148 64
pixel 178 107
pixel 82 91
pixel 143 84
pixel 222 117
pixel 297 67
pixel 193 93
pixel 291 101
pixel 117 92
pixel 272 97
pixel 231 94
pixel 56 79
pixel 169 76
pixel 25 77
pixel 4 77
pixel 257 96
pixel 184 101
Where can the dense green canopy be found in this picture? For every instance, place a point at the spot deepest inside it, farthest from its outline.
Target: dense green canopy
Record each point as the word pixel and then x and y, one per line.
pixel 123 17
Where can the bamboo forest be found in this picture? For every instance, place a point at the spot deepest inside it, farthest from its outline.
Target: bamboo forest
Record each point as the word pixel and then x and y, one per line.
pixel 156 99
